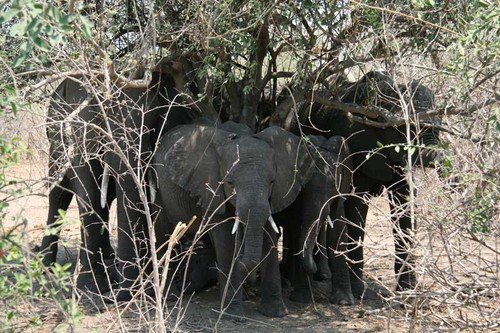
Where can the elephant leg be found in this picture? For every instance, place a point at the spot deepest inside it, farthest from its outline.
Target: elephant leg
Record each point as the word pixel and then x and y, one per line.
pixel 356 210
pixel 199 271
pixel 59 198
pixel 229 272
pixel 133 237
pixel 403 240
pixel 286 265
pixel 94 234
pixel 341 293
pixel 163 230
pixel 299 279
pixel 321 258
pixel 271 304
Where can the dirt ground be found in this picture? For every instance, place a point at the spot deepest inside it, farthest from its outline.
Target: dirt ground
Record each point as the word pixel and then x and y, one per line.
pixel 198 313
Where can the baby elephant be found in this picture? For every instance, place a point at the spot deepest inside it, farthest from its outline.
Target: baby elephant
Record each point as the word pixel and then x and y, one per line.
pixel 233 180
pixel 319 209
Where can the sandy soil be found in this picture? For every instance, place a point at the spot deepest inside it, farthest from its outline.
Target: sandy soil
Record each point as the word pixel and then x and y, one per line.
pixel 450 266
pixel 198 314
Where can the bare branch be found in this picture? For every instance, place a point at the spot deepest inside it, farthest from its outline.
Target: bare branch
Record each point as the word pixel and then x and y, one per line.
pixel 123 82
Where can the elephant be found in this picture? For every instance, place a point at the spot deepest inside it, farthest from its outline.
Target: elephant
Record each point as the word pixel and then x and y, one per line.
pixel 199 272
pixel 80 165
pixel 378 161
pixel 321 199
pixel 233 181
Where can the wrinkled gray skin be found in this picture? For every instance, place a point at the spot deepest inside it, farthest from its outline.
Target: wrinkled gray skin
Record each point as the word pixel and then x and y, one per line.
pixel 305 219
pixel 82 176
pixel 383 169
pixel 197 270
pixel 217 174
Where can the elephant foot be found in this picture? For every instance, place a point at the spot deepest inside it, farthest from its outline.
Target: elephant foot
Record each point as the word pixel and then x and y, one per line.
pixel 406 281
pixel 322 275
pixel 301 295
pixel 198 282
pixel 122 295
pixel 323 272
pixel 285 283
pixel 358 287
pixel 48 258
pixel 341 297
pixel 172 293
pixel 92 282
pixel 275 308
pixel 107 252
pixel 99 279
pixel 235 312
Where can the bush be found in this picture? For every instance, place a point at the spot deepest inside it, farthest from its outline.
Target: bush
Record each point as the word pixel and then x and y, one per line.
pixel 24 281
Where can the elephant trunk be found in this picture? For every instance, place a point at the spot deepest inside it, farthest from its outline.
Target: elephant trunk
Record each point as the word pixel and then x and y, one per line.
pixel 430 138
pixel 254 217
pixel 427 156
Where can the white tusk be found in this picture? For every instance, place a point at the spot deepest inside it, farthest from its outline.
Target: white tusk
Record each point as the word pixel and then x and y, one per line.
pixel 273 224
pixel 235 225
pixel 329 221
pixel 104 186
pixel 152 188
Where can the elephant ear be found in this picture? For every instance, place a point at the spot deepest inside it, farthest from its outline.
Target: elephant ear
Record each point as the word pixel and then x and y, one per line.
pixel 342 164
pixel 293 162
pixel 321 153
pixel 191 162
pixel 237 128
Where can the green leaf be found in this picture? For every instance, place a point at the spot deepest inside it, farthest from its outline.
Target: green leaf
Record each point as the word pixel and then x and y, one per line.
pixel 55 13
pixel 9 89
pixel 66 19
pixel 13 106
pixel 42 59
pixel 41 44
pixel 9 14
pixel 380 144
pixel 36 9
pixel 87 27
pixel 483 4
pixel 34 27
pixel 24 47
pixel 66 28
pixel 19 28
pixel 20 59
pixel 54 38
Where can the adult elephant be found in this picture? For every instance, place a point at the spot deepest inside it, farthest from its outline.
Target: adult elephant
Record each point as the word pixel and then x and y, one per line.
pixel 233 181
pixel 379 160
pixel 90 138
pixel 321 200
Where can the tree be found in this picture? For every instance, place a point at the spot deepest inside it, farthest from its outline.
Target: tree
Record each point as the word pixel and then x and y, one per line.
pixel 257 56
pixel 252 61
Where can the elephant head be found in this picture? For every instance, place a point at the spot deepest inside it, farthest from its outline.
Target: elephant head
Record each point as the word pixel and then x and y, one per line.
pixel 255 174
pixel 378 89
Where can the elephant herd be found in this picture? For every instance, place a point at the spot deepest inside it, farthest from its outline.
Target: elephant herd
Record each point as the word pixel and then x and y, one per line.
pixel 306 183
